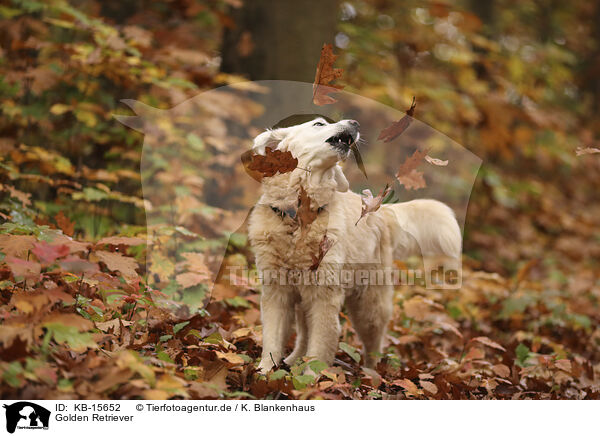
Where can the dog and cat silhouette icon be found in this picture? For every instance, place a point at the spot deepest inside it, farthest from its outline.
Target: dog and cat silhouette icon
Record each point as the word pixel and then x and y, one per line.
pixel 26 415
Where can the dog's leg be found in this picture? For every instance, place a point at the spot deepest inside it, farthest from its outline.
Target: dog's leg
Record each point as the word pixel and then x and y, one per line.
pixel 370 311
pixel 322 306
pixel 301 337
pixel 277 312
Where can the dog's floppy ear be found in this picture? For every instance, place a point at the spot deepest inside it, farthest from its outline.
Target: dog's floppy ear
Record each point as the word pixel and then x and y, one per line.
pixel 341 181
pixel 269 138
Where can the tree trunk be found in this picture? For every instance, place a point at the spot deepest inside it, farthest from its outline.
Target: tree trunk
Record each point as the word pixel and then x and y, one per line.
pixel 278 40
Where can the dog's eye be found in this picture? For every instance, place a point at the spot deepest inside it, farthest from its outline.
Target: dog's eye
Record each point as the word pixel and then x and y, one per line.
pixel 318 124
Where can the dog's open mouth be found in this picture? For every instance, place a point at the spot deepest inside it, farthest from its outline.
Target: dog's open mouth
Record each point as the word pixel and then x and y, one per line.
pixel 342 141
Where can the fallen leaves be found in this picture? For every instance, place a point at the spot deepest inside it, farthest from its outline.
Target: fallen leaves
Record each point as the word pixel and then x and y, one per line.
pixel 326 74
pixel 117 262
pixel 16 245
pixel 487 341
pixel 372 204
pixel 47 253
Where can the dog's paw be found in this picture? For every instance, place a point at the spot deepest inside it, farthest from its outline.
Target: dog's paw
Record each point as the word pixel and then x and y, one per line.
pixel 264 367
pixel 291 359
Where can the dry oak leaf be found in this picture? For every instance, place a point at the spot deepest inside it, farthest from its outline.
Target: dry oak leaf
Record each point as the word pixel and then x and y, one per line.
pixel 398 127
pixel 370 203
pixel 324 246
pixel 408 175
pixel 326 74
pixel 118 262
pixel 272 162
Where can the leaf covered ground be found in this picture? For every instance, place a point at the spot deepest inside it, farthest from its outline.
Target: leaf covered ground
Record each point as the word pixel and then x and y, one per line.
pixel 80 323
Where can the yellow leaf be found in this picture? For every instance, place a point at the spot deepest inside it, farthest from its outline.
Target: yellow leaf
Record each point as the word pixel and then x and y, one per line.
pixel 59 109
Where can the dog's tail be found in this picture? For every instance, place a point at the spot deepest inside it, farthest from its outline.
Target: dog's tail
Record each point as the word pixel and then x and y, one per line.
pixel 427 228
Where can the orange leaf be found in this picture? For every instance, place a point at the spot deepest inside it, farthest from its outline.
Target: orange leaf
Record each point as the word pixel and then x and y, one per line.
pixel 326 74
pixel 273 162
pixel 64 223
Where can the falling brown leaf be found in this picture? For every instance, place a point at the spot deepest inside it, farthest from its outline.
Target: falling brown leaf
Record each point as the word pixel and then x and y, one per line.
pixel 305 214
pixel 398 127
pixel 324 246
pixel 589 150
pixel 408 175
pixel 434 161
pixel 326 74
pixel 370 203
pixel 271 163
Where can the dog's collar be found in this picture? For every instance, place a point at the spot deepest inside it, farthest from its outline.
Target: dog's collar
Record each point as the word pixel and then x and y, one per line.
pixel 291 212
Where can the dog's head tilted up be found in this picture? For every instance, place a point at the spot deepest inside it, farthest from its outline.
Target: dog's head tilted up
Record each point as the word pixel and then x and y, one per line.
pixel 317 144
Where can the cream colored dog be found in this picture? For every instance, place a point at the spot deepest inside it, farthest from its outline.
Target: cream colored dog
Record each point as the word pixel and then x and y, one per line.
pixel 284 249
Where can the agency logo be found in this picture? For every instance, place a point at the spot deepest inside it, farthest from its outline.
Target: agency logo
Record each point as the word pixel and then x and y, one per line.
pixel 24 415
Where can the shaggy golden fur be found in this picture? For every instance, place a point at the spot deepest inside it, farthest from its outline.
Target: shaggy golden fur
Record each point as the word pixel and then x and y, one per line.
pixel 394 231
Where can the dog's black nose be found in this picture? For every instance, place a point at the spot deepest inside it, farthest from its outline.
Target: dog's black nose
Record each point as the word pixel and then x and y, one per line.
pixel 354 123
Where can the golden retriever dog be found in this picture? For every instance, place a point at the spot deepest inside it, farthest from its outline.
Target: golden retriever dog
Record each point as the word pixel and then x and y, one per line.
pixel 286 249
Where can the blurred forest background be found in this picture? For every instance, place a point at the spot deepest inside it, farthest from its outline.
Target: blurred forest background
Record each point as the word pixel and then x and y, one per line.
pixel 515 82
